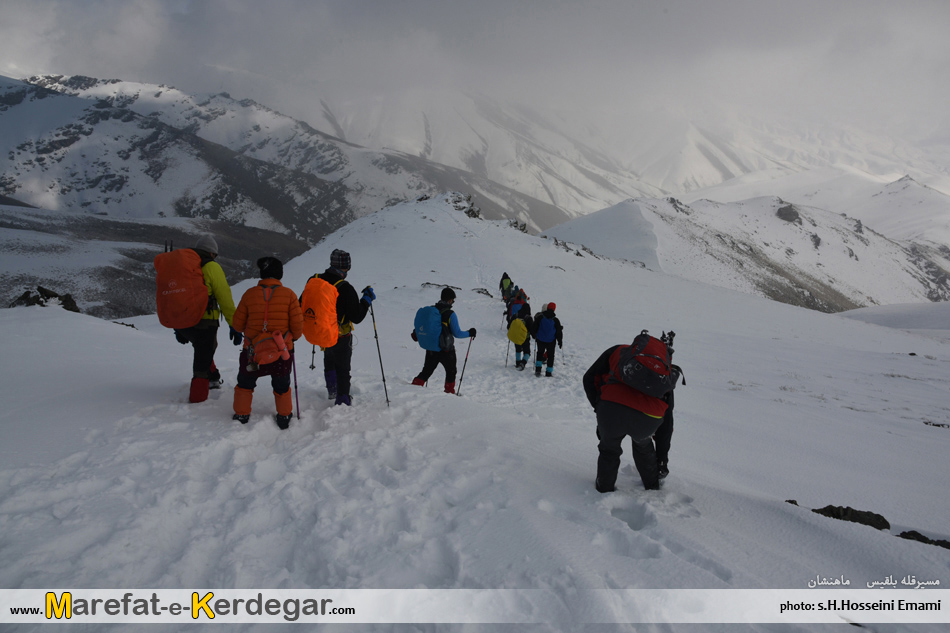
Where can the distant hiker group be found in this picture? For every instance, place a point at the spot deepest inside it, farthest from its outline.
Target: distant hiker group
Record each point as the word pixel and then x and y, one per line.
pixel 630 387
pixel 544 327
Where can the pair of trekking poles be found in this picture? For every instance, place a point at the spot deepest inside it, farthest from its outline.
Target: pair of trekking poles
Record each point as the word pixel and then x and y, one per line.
pixel 372 313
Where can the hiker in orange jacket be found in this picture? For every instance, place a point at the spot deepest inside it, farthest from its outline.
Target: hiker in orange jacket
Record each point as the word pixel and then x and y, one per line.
pixel 275 306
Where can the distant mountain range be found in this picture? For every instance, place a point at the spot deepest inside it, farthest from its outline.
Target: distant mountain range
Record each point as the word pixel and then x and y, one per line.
pixel 791 253
pixel 135 164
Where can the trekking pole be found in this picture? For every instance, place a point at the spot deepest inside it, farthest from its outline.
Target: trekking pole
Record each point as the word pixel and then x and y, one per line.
pixel 458 391
pixel 508 351
pixel 385 390
pixel 313 355
pixel 293 360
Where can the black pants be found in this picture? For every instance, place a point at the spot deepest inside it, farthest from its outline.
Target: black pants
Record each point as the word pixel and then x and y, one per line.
pixel 614 423
pixel 204 339
pixel 279 372
pixel 525 348
pixel 664 434
pixel 545 348
pixel 338 359
pixel 447 359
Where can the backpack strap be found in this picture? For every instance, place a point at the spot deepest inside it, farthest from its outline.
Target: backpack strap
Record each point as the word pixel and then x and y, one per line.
pixel 267 298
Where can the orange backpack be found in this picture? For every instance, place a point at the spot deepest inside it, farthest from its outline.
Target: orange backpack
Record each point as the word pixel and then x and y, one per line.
pixel 318 302
pixel 181 295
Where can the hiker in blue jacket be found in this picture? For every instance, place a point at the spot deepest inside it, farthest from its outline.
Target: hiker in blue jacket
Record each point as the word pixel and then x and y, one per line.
pixel 446 354
pixel 547 332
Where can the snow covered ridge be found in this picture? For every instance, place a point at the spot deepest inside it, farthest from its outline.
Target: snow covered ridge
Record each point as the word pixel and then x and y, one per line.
pixel 360 180
pixel 110 479
pixel 795 254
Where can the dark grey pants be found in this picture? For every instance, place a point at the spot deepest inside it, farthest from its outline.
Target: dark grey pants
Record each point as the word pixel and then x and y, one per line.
pixel 614 423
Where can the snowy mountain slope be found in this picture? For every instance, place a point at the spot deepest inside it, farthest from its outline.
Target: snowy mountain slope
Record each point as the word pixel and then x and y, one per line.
pixel 65 152
pixel 791 253
pixel 923 319
pixel 515 146
pixel 900 208
pixel 113 480
pixel 105 263
pixel 654 153
pixel 370 178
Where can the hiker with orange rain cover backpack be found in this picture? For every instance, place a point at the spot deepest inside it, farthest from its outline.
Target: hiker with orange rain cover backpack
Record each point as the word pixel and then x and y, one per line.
pixel 330 309
pixel 270 318
pixel 192 294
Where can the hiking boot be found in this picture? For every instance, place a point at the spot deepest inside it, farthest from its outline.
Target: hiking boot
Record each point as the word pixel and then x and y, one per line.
pixel 331 394
pixel 199 390
pixel 662 469
pixel 537 371
pixel 601 488
pixel 243 419
pixel 549 374
pixel 343 398
pixel 450 387
pixel 283 421
pixel 521 364
pixel 214 379
pixel 419 382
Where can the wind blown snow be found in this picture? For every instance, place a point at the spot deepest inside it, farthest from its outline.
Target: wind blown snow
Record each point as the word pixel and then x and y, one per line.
pixel 110 478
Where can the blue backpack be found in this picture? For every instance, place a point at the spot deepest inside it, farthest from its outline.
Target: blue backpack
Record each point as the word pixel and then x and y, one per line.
pixel 428 325
pixel 546 330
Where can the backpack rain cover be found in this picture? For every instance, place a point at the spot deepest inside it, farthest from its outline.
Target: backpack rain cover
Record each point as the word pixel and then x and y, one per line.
pixel 318 303
pixel 428 325
pixel 181 295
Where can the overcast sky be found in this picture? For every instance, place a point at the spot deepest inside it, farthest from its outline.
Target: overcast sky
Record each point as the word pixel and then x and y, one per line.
pixel 864 61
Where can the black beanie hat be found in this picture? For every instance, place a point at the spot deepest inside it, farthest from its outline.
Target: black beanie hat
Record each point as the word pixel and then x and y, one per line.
pixel 271 268
pixel 448 294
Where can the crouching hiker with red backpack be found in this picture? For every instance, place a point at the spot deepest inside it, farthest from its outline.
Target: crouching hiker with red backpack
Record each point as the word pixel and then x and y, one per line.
pixel 435 329
pixel 270 319
pixel 192 294
pixel 629 387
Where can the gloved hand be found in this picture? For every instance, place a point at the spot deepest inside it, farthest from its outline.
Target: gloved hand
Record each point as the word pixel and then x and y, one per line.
pixel 368 295
pixel 236 336
pixel 560 346
pixel 181 338
pixel 471 332
pixel 414 337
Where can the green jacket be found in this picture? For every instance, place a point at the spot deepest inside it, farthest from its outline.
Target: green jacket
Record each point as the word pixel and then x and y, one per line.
pixel 221 302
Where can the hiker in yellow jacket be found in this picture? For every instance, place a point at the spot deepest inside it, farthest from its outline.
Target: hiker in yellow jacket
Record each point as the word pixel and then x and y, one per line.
pixel 204 336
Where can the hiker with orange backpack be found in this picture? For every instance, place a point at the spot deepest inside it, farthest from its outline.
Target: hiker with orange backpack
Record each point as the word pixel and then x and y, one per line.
pixel 270 319
pixel 192 296
pixel 330 309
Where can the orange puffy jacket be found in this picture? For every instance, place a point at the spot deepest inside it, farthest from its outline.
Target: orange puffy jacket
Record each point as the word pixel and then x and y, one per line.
pixel 283 312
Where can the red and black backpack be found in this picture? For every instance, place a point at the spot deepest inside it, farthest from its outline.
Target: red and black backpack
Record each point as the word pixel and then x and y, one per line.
pixel 645 366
